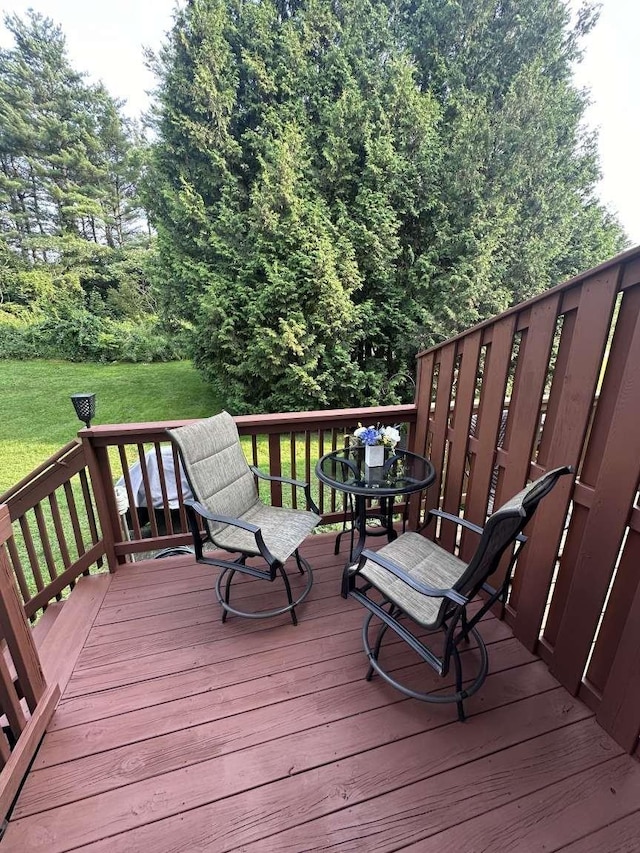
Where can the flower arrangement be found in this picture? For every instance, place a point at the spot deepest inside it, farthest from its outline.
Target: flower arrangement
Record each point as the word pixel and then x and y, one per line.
pixel 371 436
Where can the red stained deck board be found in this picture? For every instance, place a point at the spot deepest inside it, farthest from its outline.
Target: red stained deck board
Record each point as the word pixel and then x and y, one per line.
pixel 232 647
pixel 619 837
pixel 550 819
pixel 50 787
pixel 267 737
pixel 401 759
pixel 450 794
pixel 283 674
pixel 317 693
pixel 137 639
pixel 383 782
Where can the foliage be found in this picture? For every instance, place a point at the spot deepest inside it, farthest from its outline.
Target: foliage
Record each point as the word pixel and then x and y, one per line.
pixel 81 335
pixel 337 185
pixel 73 241
pixel 69 161
pixel 263 227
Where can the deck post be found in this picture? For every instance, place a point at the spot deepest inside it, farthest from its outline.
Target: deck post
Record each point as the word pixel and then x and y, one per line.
pixel 100 473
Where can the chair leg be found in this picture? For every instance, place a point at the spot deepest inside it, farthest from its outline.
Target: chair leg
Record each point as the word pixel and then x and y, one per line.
pixel 299 562
pixel 464 628
pixel 458 667
pixel 227 592
pixel 336 547
pixel 379 638
pixel 376 650
pixel 287 586
pixel 440 664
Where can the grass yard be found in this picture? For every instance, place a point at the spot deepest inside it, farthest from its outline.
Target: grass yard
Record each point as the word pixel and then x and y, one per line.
pixel 38 417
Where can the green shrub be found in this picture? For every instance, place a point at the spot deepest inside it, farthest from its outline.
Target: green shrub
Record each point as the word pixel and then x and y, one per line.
pixel 18 336
pixel 82 336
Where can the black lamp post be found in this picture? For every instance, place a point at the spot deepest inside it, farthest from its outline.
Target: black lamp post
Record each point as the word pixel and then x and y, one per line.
pixel 85 406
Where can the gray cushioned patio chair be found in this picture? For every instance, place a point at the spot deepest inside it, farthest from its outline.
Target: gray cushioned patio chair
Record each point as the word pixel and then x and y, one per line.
pixel 234 518
pixel 417 579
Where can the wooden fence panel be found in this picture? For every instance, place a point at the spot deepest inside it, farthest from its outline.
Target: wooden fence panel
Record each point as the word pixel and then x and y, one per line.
pixel 571 397
pixel 26 718
pixel 525 405
pixel 591 465
pixel 440 424
pixel 14 625
pixel 615 490
pixel 47 523
pixel 619 710
pixel 526 399
pixel 578 579
pixel 619 606
pixel 459 434
pixel 483 445
pixel 424 388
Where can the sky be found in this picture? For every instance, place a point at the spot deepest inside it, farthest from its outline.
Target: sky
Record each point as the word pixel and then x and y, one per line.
pixel 107 40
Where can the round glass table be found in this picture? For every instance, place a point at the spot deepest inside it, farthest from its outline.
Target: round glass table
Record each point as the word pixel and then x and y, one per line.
pixel 402 473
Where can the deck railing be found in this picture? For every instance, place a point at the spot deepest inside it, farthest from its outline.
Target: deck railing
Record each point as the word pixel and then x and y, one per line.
pixel 65 515
pixel 568 364
pixel 286 444
pixel 56 535
pixel 26 702
pixel 553 381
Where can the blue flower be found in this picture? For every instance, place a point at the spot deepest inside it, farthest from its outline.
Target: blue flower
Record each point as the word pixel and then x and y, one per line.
pixel 370 435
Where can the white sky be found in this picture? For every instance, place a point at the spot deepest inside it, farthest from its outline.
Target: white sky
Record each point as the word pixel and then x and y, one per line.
pixel 106 39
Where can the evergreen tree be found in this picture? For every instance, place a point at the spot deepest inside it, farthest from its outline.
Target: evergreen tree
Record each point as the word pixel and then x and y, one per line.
pixel 337 184
pixel 520 175
pixel 69 169
pixel 68 161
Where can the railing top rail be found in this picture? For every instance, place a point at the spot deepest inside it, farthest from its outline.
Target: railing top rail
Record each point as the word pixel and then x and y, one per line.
pixel 45 467
pixel 5 524
pixel 257 424
pixel 621 259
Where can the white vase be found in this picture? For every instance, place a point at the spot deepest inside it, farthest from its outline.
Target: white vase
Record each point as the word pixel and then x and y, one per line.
pixel 374 455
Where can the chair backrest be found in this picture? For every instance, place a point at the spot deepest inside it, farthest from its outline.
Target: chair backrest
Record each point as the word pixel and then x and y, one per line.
pixel 502 528
pixel 215 465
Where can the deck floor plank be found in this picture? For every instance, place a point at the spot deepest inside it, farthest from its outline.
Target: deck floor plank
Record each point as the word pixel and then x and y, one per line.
pixel 618 837
pixel 555 816
pixel 287 674
pixel 179 733
pixel 158 718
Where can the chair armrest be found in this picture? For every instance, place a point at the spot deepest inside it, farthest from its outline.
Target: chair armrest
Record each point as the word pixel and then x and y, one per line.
pixel 463 522
pixel 298 483
pixel 222 519
pixel 418 586
pixel 235 522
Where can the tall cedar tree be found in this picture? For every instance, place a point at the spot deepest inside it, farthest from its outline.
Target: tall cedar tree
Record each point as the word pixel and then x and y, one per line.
pixel 337 184
pixel 69 165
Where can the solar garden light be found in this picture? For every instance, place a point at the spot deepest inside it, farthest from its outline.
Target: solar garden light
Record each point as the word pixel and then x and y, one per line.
pixel 85 406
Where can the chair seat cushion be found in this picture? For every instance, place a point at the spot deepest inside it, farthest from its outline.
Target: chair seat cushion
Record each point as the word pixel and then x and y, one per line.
pixel 424 561
pixel 283 530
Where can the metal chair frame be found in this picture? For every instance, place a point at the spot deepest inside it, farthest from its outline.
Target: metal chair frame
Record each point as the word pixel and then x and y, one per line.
pixel 452 621
pixel 197 513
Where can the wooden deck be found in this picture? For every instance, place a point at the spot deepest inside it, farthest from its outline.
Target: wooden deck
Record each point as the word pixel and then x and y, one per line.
pixel 178 733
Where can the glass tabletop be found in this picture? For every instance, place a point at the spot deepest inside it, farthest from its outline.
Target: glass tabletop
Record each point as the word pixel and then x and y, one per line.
pixel 402 472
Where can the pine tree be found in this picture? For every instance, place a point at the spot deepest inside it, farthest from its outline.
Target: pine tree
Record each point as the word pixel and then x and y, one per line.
pixel 67 162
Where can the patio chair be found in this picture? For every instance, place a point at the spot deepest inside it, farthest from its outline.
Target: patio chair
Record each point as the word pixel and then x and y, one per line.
pixel 228 506
pixel 422 584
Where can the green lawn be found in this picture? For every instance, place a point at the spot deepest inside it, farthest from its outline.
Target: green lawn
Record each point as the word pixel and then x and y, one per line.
pixel 38 417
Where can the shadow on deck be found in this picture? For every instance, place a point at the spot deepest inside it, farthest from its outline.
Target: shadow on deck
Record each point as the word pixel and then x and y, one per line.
pixel 178 733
